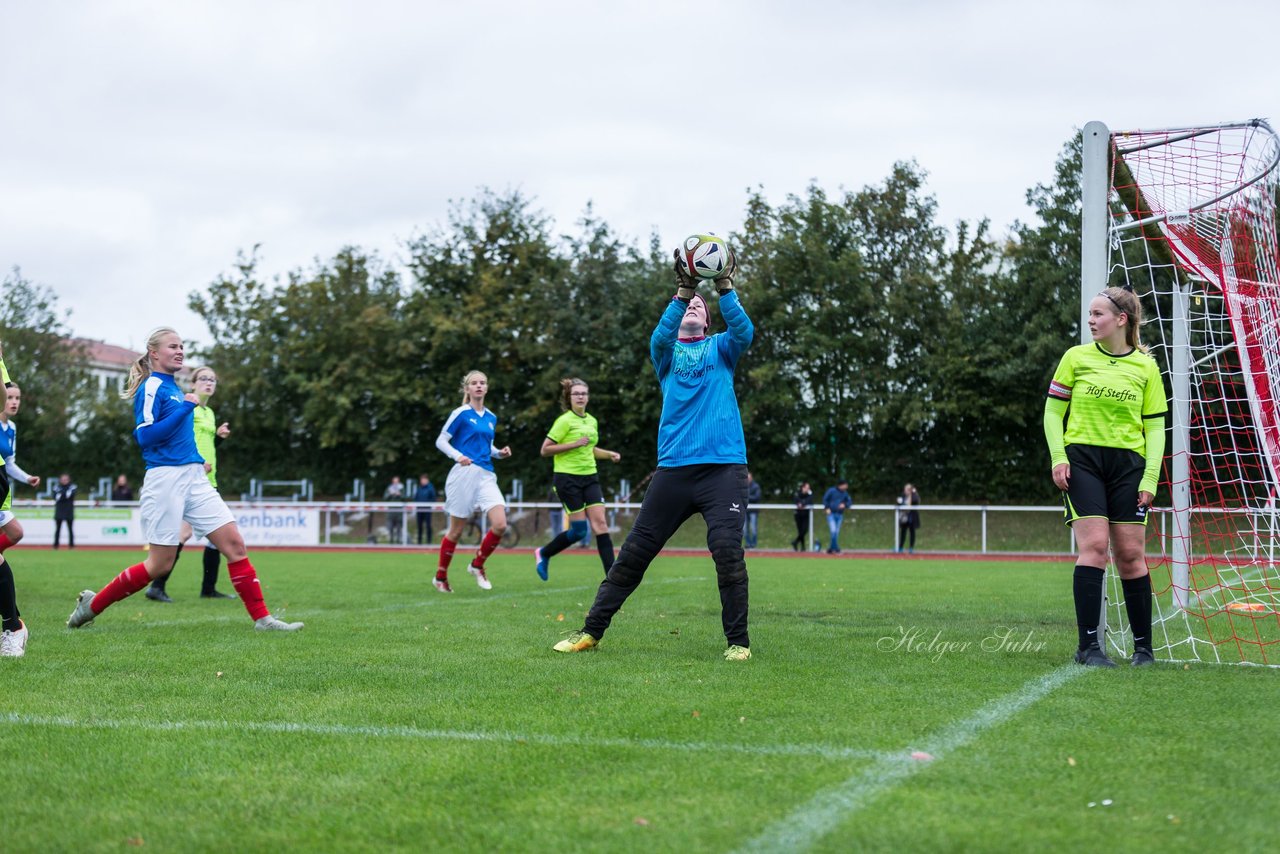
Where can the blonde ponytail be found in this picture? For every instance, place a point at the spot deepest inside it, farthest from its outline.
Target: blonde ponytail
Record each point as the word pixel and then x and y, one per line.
pixel 141 367
pixel 466 396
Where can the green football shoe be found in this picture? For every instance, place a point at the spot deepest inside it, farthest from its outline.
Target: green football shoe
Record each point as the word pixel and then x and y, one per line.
pixel 576 642
pixel 737 653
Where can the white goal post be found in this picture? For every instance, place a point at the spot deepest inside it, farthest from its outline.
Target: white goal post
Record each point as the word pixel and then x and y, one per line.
pixel 1186 218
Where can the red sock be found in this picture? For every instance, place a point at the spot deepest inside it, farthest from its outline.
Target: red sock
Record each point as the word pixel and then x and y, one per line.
pixel 122 586
pixel 447 547
pixel 487 545
pixel 244 578
pixel 5 542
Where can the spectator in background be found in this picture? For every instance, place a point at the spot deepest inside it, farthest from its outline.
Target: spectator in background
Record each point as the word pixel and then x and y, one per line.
pixel 556 516
pixel 804 503
pixel 395 516
pixel 122 491
pixel 908 518
pixel 751 525
pixel 424 496
pixel 835 502
pixel 64 509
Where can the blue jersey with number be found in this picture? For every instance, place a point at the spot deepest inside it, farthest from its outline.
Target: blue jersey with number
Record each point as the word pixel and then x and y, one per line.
pixel 165 431
pixel 701 422
pixel 471 434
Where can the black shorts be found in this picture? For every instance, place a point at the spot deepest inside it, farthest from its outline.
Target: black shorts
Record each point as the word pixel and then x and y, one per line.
pixel 577 492
pixel 1104 484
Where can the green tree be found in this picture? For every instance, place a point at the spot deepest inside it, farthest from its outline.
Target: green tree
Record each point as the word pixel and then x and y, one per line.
pixel 49 368
pixel 486 286
pixel 846 296
pixel 311 371
pixel 1007 331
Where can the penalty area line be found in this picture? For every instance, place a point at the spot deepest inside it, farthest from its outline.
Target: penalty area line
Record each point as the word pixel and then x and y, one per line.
pixel 809 822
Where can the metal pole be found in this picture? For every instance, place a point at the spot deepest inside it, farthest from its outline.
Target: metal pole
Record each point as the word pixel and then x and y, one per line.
pixel 1095 187
pixel 1180 460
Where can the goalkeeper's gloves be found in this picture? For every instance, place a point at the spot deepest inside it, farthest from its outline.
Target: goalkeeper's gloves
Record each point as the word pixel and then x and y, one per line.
pixel 724 281
pixel 686 285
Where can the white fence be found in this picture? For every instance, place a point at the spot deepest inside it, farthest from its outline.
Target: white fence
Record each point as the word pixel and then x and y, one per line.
pixel 981 528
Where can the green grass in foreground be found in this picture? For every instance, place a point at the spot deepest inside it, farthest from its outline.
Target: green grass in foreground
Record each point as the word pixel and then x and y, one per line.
pixel 404 719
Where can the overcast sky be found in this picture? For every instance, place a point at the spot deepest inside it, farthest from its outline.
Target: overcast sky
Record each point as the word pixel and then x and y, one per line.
pixel 144 143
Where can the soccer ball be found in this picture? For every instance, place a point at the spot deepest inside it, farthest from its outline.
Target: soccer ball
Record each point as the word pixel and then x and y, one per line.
pixel 704 256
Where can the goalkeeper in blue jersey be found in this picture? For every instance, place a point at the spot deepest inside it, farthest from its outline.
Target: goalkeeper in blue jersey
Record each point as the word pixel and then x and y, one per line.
pixel 702 461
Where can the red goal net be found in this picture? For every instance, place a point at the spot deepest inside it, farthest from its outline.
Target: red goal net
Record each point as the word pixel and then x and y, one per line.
pixel 1193 232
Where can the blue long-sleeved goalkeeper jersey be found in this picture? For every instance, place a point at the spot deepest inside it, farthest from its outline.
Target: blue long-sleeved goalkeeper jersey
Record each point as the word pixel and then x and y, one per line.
pixel 701 422
pixel 165 430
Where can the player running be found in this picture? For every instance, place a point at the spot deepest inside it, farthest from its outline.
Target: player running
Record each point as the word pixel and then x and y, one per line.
pixel 175 490
pixel 571 441
pixel 467 439
pixel 204 382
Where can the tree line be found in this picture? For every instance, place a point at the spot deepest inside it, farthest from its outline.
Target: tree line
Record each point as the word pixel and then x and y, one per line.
pixel 888 347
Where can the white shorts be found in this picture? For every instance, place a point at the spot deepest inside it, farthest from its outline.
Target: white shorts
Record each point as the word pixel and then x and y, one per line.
pixel 471 488
pixel 174 494
pixel 6 516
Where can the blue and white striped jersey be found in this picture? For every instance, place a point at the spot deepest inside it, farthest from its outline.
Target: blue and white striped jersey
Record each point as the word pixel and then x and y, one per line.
pixel 165 430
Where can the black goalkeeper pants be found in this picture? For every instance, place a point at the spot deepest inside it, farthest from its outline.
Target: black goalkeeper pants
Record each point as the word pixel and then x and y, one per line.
pixel 719 492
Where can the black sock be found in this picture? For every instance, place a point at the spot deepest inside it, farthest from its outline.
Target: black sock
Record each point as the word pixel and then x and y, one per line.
pixel 212 559
pixel 604 545
pixel 8 598
pixel 1137 603
pixel 557 545
pixel 1087 587
pixel 159 581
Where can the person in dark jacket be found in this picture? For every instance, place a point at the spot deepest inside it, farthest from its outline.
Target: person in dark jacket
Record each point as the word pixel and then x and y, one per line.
pixel 424 496
pixel 908 518
pixel 751 528
pixel 64 509
pixel 804 504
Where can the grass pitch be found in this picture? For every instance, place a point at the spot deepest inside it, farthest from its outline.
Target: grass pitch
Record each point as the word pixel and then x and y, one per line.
pixel 890 705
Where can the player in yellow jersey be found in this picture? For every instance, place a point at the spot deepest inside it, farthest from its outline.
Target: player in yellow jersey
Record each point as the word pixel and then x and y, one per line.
pixel 572 442
pixel 1104 422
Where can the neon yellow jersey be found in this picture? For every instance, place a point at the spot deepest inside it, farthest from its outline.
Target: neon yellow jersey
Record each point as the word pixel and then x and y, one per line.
pixel 570 427
pixel 206 427
pixel 1109 395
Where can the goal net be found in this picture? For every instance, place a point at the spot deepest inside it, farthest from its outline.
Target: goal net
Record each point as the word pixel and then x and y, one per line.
pixel 1190 226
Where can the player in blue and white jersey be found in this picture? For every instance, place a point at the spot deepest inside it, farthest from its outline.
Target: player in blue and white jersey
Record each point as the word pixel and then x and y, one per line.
pixel 13 641
pixel 702 461
pixel 175 490
pixel 467 439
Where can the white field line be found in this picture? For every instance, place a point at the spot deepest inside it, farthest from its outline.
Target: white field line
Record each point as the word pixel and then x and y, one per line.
pixel 821 751
pixel 809 822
